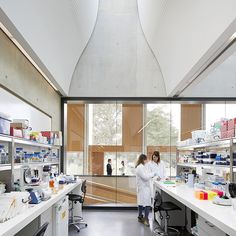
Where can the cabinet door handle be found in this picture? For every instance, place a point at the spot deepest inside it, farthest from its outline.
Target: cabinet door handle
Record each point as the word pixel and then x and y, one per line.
pixel 210 224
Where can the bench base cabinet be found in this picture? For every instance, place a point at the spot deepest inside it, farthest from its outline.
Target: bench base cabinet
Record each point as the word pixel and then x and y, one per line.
pixel 205 228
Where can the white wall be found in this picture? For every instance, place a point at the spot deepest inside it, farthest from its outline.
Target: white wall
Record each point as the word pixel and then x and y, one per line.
pixel 55 31
pixel 182 32
pixel 21 78
pixel 117 61
pixel 15 108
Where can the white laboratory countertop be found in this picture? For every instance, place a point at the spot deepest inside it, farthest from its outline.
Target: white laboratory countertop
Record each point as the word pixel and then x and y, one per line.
pixel 223 217
pixel 14 225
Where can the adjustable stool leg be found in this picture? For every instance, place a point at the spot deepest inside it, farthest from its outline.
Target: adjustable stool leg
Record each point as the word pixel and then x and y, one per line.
pixel 170 228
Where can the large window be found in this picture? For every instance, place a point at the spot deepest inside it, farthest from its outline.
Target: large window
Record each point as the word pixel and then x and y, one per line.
pixel 163 131
pixel 105 124
pixel 217 112
pixel 120 132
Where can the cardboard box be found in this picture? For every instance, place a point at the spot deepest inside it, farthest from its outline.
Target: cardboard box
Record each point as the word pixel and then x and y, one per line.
pixel 231 133
pixel 17 125
pixel 231 124
pixel 223 134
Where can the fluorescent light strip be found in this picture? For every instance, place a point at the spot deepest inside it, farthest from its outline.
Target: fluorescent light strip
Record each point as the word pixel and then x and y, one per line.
pixel 7 32
pixel 234 35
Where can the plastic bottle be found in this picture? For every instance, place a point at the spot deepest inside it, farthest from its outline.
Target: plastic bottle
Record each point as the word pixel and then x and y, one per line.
pixel 3 155
pixel 51 182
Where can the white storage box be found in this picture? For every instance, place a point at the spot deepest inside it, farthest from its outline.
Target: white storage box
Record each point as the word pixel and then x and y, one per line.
pixel 4 124
pixel 198 135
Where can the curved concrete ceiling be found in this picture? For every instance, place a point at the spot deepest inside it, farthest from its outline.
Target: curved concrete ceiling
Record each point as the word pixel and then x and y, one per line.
pixel 184 35
pixel 117 60
pixel 54 33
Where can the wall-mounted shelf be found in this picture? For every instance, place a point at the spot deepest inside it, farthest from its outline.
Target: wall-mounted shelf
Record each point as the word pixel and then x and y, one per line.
pixel 219 143
pixel 229 144
pixel 194 165
pixel 19 165
pixel 6 138
pixel 5 167
pixel 11 169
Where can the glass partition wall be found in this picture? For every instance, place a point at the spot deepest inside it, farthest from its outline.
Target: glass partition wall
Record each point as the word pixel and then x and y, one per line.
pixel 96 133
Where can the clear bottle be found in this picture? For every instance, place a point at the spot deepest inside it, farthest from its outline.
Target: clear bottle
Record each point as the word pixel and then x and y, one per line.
pixel 3 155
pixel 44 155
pixel 20 156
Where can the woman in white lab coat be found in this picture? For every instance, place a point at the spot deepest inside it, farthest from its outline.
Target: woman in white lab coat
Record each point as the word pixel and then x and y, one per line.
pixel 157 166
pixel 143 177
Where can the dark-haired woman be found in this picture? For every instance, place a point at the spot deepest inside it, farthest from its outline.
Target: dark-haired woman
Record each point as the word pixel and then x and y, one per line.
pixel 157 166
pixel 143 177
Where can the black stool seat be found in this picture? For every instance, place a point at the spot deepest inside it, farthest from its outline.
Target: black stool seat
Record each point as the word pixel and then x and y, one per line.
pixel 167 206
pixel 160 206
pixel 75 197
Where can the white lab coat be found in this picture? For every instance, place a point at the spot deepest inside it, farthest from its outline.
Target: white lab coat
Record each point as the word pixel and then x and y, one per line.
pixel 159 170
pixel 143 177
pixel 122 170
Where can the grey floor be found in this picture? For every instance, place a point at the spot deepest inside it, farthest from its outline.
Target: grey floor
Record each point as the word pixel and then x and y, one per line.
pixel 115 223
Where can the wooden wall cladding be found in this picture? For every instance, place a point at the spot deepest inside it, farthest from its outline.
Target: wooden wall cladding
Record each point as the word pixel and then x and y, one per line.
pixel 132 123
pixel 191 115
pixel 75 127
pixel 161 149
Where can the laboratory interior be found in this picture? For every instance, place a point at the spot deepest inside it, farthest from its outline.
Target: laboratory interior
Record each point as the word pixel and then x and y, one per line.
pixel 118 117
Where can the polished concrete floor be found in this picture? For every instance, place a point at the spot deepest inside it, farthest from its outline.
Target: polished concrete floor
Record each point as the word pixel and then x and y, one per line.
pixel 115 223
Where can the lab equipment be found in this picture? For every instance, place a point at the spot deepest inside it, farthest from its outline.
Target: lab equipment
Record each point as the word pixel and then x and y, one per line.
pixel 35 197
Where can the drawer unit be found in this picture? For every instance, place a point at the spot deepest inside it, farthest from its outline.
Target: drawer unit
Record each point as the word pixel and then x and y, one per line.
pixel 205 228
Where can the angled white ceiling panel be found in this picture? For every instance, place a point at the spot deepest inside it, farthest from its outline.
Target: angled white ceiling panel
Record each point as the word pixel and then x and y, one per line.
pixel 56 31
pixel 184 34
pixel 220 82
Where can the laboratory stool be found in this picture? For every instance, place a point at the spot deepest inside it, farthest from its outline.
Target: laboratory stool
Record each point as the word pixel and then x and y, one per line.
pixel 77 221
pixel 166 207
pixel 41 230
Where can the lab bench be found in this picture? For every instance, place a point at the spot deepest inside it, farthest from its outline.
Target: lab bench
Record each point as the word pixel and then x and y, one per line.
pixel 16 224
pixel 211 217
